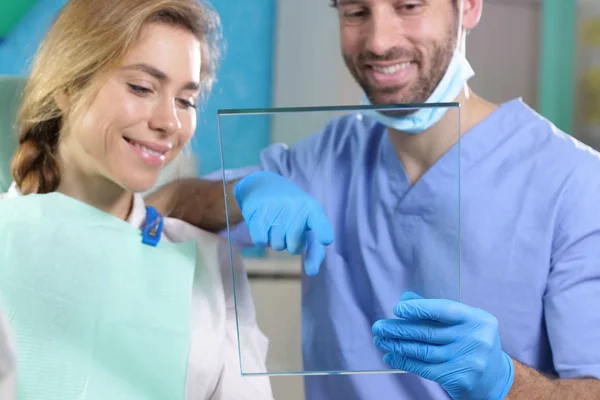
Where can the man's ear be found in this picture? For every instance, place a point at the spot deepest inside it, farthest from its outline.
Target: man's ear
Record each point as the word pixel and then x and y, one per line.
pixel 471 13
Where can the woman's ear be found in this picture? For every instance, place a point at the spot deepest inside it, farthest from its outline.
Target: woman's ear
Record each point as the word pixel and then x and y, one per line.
pixel 62 101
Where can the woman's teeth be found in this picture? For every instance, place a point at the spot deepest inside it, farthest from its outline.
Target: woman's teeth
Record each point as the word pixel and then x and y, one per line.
pixel 144 148
pixel 148 151
pixel 391 69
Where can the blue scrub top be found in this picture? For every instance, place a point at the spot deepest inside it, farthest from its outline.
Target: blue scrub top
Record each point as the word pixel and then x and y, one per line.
pixel 529 244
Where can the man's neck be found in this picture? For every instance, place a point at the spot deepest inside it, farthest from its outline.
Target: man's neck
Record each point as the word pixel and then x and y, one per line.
pixel 96 191
pixel 419 152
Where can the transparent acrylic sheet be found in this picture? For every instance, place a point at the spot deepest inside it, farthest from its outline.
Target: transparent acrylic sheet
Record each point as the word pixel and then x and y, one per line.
pixel 277 279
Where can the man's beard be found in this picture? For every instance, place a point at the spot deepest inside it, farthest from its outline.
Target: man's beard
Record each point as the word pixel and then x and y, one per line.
pixel 417 91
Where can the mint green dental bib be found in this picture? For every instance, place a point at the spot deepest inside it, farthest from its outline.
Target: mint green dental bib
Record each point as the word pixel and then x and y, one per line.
pixel 96 314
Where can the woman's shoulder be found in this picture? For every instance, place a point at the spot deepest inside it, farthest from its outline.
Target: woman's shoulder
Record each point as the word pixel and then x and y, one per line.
pixel 174 230
pixel 177 230
pixel 214 248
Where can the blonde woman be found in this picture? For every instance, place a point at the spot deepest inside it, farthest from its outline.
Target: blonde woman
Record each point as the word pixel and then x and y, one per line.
pixel 110 102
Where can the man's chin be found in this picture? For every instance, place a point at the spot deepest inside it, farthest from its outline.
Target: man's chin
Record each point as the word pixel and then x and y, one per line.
pixel 406 106
pixel 399 112
pixel 392 96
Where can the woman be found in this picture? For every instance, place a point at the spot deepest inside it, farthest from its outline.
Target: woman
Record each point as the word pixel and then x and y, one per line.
pixel 111 100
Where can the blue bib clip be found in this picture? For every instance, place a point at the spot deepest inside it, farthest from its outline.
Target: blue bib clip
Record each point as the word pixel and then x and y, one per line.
pixel 152 227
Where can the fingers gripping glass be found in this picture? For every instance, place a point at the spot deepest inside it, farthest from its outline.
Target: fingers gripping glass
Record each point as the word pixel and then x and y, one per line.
pixel 278 279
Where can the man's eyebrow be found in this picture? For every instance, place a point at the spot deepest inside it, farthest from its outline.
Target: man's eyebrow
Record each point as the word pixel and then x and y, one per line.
pixel 349 2
pixel 158 74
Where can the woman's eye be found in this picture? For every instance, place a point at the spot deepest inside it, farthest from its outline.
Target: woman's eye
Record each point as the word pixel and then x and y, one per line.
pixel 144 90
pixel 139 89
pixel 186 103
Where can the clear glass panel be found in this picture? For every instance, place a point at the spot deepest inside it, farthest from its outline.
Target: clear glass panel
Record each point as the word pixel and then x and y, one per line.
pixel 323 323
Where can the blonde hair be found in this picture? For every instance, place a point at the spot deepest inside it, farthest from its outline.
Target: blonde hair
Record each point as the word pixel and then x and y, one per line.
pixel 88 40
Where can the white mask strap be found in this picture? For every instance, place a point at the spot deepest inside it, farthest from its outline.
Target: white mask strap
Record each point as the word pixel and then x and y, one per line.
pixel 460 32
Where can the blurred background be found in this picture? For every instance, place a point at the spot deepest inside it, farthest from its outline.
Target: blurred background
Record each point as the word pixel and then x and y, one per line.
pixel 286 53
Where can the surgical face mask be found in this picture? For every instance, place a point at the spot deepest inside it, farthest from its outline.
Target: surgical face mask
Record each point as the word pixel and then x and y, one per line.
pixel 457 74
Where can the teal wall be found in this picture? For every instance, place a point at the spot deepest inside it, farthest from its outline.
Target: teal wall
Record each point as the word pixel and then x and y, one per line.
pixel 558 44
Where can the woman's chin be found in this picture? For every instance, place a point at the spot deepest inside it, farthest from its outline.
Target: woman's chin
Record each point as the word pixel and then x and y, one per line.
pixel 140 185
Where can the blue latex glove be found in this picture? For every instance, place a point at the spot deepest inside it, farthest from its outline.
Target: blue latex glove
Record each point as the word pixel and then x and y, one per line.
pixel 449 343
pixel 281 215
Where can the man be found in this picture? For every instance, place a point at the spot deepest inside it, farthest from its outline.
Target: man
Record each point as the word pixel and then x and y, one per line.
pixel 527 326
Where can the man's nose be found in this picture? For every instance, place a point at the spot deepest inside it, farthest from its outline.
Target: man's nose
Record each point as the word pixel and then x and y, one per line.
pixel 383 32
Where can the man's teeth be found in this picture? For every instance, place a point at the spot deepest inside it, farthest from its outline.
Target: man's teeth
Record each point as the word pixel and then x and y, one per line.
pixel 391 69
pixel 149 151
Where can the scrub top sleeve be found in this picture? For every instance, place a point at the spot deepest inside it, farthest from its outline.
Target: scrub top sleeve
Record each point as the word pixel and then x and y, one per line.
pixel 254 344
pixel 298 163
pixel 571 299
